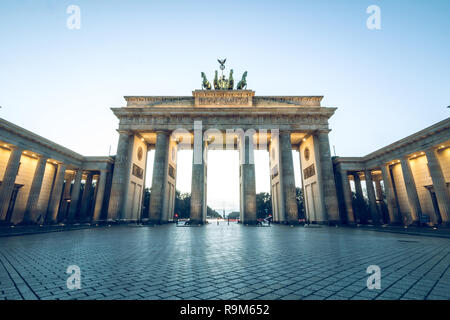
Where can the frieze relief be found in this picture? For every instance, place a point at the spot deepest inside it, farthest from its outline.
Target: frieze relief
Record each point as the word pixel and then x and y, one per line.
pixel 220 120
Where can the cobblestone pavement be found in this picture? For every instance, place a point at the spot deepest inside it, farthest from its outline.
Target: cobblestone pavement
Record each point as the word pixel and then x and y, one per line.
pixel 224 262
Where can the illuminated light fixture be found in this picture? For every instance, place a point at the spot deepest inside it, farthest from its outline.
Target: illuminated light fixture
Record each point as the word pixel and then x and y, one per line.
pixel 25 152
pixel 304 139
pixel 142 139
pixel 5 145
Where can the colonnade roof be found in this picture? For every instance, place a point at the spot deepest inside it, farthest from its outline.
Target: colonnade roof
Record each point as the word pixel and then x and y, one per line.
pixel 437 134
pixel 14 135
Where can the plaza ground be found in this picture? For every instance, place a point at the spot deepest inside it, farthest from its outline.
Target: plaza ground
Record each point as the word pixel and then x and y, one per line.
pixel 224 262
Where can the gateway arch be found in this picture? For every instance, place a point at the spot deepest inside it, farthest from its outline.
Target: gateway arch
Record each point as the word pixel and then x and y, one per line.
pixel 217 119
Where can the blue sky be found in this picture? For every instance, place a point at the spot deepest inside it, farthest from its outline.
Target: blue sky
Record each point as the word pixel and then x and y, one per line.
pixel 386 83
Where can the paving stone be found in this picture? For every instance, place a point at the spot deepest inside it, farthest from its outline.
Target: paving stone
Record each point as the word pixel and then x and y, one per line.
pixel 198 263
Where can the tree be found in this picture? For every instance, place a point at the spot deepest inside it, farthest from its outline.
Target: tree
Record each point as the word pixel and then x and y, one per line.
pixel 263 205
pixel 146 204
pixel 300 203
pixel 183 206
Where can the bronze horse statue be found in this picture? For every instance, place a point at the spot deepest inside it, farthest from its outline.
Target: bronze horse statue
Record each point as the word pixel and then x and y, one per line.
pixel 205 83
pixel 243 83
pixel 216 81
pixel 231 81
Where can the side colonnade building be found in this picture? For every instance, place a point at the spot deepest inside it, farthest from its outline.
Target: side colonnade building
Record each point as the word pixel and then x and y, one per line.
pixel 406 182
pixel 43 182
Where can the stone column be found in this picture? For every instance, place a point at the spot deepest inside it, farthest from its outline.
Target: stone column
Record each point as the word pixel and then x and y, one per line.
pixel 288 178
pixel 372 199
pixel 359 195
pixel 120 175
pixel 75 195
pixel 390 195
pixel 101 183
pixel 66 195
pixel 327 178
pixel 347 192
pixel 159 178
pixel 411 191
pixel 248 181
pixel 439 185
pixel 31 211
pixel 9 179
pixel 378 189
pixel 198 185
pixel 358 187
pixel 85 203
pixel 55 197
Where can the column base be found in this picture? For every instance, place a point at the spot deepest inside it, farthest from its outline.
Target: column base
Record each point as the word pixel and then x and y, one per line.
pixel 195 222
pixel 251 222
pixel 445 224
pixel 415 223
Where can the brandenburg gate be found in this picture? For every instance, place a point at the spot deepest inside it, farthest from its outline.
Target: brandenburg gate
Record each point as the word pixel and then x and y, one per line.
pixel 224 118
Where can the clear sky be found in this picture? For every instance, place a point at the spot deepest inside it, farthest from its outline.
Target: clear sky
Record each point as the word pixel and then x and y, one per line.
pixel 387 83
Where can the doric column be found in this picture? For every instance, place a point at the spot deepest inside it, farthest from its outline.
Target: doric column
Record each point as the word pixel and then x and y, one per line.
pixel 248 182
pixel 120 176
pixel 159 178
pixel 66 196
pixel 31 211
pixel 327 178
pixel 9 179
pixel 371 195
pixel 101 183
pixel 75 195
pixel 347 192
pixel 390 195
pixel 85 200
pixel 288 178
pixel 411 191
pixel 378 189
pixel 439 185
pixel 56 193
pixel 358 187
pixel 198 185
pixel 360 216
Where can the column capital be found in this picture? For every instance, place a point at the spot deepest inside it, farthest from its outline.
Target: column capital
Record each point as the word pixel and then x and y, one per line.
pixel 323 131
pixel 16 147
pixel 44 157
pixel 125 132
pixel 165 132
